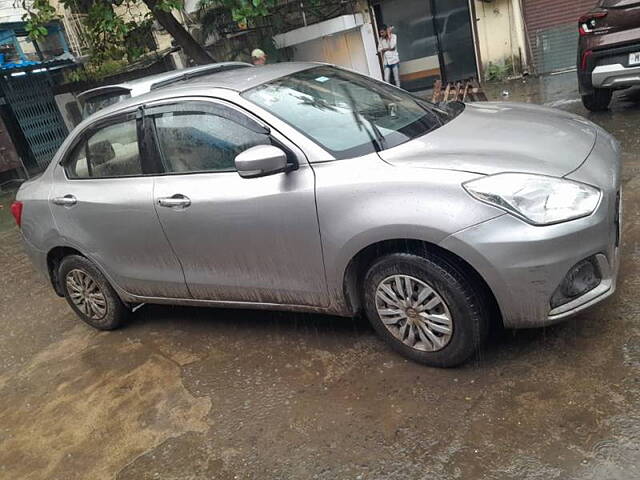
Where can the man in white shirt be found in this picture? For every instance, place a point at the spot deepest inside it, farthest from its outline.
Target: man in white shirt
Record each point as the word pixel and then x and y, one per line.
pixel 389 51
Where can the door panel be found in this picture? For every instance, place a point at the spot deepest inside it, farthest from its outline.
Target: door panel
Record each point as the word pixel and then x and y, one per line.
pixel 102 201
pixel 114 222
pixel 244 240
pixel 248 240
pixel 453 24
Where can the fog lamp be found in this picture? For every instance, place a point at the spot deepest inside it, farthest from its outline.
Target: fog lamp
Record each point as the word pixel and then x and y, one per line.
pixel 582 278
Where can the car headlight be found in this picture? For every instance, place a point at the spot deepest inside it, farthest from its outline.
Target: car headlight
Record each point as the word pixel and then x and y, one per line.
pixel 537 199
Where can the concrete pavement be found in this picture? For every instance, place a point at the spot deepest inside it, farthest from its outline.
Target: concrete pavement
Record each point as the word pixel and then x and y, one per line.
pixel 185 393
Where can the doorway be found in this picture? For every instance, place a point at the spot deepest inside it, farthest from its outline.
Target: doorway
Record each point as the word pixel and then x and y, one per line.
pixel 435 40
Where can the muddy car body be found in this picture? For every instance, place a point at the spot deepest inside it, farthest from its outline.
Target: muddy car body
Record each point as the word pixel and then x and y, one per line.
pixel 331 192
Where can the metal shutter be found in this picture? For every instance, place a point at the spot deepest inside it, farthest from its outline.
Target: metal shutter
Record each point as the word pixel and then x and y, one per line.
pixel 552 27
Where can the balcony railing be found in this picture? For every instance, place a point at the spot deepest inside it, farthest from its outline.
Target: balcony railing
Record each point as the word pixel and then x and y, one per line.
pixel 291 15
pixel 74 28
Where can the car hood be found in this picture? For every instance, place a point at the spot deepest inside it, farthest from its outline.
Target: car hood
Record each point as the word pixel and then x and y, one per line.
pixel 490 138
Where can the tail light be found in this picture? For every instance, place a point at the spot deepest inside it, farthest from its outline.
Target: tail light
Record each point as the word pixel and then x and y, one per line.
pixel 589 22
pixel 16 211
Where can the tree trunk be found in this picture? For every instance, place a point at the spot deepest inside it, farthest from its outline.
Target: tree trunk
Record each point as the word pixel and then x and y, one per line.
pixel 183 38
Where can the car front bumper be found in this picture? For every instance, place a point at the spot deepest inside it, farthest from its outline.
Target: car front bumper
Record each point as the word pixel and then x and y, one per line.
pixel 524 265
pixel 605 289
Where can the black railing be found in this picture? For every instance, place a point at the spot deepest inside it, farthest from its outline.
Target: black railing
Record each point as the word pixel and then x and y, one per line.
pixel 290 15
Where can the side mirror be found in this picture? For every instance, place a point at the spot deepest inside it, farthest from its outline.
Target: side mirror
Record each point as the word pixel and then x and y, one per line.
pixel 260 161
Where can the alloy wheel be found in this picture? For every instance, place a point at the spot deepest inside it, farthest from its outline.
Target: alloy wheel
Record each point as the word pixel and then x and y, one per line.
pixel 85 294
pixel 414 313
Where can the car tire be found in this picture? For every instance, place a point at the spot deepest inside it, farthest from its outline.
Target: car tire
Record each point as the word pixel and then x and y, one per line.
pixel 598 101
pixel 453 295
pixel 90 295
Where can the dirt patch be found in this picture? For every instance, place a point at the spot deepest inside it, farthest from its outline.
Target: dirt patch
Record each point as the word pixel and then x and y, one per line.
pixel 6 219
pixel 90 404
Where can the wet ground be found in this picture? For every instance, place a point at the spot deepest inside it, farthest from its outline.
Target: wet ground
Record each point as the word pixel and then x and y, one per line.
pixel 219 394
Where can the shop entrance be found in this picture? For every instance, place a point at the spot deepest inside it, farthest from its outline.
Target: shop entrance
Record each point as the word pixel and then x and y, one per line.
pixel 435 40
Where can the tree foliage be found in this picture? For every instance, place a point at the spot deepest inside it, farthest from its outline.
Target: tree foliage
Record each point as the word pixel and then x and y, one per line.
pixel 38 14
pixel 242 11
pixel 117 30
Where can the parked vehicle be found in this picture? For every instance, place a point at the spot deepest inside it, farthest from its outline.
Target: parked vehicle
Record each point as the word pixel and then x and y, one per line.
pixel 609 51
pixel 306 187
pixel 101 97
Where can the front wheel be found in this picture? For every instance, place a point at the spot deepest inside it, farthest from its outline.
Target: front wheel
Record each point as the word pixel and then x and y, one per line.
pixel 426 308
pixel 89 294
pixel 598 101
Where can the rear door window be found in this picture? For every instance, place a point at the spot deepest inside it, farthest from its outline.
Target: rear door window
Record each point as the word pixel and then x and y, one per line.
pixel 110 151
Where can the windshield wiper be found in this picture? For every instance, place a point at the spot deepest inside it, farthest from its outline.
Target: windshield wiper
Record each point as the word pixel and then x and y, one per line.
pixel 379 136
pixel 378 141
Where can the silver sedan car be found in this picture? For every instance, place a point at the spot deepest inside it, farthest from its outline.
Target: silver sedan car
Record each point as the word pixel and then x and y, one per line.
pixel 306 187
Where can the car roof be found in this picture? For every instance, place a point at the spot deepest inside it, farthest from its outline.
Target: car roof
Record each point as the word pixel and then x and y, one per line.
pixel 238 80
pixel 145 84
pixel 245 79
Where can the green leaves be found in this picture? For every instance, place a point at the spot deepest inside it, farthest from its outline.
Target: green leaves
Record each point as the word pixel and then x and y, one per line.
pixel 38 14
pixel 35 31
pixel 242 11
pixel 117 31
pixel 169 5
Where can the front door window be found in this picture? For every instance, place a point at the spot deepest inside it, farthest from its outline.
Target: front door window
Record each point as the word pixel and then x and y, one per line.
pixel 197 141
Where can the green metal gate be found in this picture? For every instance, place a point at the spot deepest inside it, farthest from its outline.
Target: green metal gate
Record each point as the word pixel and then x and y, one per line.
pixel 30 96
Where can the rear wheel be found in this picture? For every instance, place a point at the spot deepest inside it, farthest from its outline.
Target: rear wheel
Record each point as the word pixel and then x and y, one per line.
pixel 426 308
pixel 598 101
pixel 89 294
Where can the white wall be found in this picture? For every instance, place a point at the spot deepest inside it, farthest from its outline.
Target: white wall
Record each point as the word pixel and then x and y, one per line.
pixel 500 31
pixel 346 41
pixel 8 13
pixel 345 49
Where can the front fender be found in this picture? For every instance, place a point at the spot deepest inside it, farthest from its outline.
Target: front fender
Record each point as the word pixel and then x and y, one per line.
pixel 365 201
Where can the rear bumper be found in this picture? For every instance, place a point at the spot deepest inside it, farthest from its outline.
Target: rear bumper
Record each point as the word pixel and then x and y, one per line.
pixel 38 257
pixel 607 68
pixel 615 76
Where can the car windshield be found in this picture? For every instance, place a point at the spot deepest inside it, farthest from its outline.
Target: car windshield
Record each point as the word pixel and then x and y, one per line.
pixel 346 113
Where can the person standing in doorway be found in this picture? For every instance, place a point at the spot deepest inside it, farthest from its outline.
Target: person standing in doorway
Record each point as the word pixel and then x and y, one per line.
pixel 388 49
pixel 258 57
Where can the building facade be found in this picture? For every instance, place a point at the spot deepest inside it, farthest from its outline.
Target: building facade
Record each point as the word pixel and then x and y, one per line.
pixel 552 28
pixel 501 37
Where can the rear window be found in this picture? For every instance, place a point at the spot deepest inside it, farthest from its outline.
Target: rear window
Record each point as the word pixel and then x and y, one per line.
pixel 98 102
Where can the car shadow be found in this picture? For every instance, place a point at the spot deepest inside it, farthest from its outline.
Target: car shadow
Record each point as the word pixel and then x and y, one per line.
pixel 277 331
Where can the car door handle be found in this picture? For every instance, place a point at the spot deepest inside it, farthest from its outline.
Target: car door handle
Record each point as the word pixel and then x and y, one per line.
pixel 175 201
pixel 66 201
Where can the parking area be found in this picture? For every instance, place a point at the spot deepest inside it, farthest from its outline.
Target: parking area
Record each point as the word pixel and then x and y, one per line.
pixel 186 393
